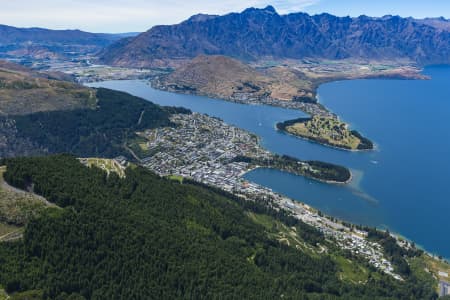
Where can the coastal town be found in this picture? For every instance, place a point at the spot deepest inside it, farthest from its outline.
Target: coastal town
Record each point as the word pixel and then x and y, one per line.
pixel 201 148
pixel 205 149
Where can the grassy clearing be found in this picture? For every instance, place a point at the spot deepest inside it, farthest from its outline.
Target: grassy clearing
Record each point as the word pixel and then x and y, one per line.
pixel 280 232
pixel 351 271
pixel 143 146
pixel 176 178
pixel 108 165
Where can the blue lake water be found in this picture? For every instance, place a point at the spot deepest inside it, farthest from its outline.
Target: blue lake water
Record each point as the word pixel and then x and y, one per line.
pixel 404 185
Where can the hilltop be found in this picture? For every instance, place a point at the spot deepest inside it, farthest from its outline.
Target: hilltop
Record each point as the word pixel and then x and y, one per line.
pixel 258 34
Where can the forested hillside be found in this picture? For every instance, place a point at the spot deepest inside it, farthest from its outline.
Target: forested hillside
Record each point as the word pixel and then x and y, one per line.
pixel 145 237
pixel 102 131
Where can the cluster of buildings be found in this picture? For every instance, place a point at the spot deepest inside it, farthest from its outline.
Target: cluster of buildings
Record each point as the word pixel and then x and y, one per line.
pixel 347 238
pixel 205 149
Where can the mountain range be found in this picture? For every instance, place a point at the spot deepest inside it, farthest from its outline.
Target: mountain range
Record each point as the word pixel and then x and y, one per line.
pixel 42 43
pixel 257 34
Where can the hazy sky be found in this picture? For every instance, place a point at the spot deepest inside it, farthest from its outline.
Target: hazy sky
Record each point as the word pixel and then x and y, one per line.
pixel 140 15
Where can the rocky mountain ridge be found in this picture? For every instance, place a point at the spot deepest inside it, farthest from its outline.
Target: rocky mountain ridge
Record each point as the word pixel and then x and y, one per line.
pixel 258 34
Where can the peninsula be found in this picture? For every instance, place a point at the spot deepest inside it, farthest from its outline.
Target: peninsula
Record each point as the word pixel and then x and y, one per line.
pixel 327 130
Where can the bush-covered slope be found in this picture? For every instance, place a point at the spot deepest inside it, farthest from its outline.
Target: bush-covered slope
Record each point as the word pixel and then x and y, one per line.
pixel 144 237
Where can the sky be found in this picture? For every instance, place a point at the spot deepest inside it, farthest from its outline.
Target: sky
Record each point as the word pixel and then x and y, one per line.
pixel 140 15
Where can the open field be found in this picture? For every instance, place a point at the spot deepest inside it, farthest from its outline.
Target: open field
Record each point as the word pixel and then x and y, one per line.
pixel 107 165
pixel 102 73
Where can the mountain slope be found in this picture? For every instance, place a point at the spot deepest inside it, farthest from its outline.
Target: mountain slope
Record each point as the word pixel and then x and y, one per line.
pixel 227 78
pixel 102 131
pixel 14 35
pixel 23 91
pixel 261 33
pixel 145 237
pixel 39 115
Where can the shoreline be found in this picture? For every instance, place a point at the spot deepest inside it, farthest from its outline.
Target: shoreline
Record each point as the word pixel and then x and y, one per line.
pixel 339 183
pixel 300 204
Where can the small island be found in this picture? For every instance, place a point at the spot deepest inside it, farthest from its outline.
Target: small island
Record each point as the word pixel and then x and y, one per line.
pixel 327 130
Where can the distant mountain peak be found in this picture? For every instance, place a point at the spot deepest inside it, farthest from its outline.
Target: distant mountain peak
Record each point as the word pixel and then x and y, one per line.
pixel 201 17
pixel 268 9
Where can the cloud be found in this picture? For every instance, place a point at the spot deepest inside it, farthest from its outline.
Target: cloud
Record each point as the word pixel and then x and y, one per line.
pixel 125 15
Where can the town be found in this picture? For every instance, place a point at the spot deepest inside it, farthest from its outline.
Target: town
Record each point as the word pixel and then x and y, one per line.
pixel 205 149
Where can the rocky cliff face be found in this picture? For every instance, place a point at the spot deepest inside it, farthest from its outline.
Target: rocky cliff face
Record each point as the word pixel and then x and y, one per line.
pixel 261 33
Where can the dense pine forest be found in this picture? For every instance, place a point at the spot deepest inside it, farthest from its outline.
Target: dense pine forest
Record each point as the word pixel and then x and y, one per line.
pixel 146 237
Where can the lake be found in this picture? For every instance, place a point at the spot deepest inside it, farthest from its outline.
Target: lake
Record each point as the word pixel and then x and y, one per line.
pixel 404 185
